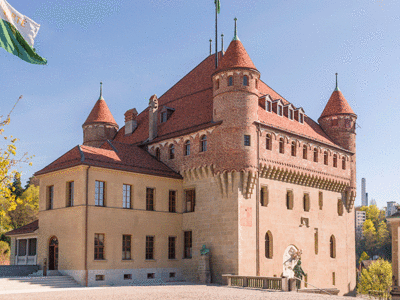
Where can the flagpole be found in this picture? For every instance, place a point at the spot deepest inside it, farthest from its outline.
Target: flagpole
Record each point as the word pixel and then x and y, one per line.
pixel 216 34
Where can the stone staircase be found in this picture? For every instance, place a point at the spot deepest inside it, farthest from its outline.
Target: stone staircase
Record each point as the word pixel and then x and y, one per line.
pixel 37 283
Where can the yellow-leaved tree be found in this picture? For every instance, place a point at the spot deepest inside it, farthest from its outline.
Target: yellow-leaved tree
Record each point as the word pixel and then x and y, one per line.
pixel 377 278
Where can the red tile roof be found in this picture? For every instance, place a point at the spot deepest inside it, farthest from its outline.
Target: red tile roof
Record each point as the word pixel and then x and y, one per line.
pixel 235 57
pixel 112 155
pixel 100 114
pixel 28 228
pixel 337 105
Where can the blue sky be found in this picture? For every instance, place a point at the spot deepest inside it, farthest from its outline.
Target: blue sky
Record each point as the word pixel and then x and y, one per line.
pixel 141 48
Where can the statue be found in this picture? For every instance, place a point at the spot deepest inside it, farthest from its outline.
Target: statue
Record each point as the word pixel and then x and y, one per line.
pixel 290 258
pixel 204 250
pixel 298 272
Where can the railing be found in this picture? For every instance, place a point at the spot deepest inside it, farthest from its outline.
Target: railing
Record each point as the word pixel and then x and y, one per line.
pixel 273 283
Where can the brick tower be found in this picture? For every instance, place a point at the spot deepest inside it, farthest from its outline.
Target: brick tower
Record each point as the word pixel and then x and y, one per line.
pixel 100 124
pixel 339 122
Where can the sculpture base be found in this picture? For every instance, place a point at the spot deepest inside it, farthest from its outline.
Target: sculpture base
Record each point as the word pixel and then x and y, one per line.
pixel 204 269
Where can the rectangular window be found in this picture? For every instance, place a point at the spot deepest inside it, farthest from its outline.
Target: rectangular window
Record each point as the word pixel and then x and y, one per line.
pixel 333 278
pixel 320 200
pixel 126 247
pixel 290 114
pixel 99 193
pixel 149 247
pixel 172 201
pixel 264 196
pixel 127 276
pixel 163 117
pixel 172 275
pixel 99 277
pixel 279 110
pixel 305 280
pixel 247 140
pixel 171 247
pixel 190 197
pixel 268 106
pixel 126 196
pixel 70 193
pixel 22 247
pixel 301 118
pixel 32 247
pixel 151 275
pixel 150 199
pixel 187 247
pixel 98 246
pixel 289 199
pixel 306 202
pixel 50 197
pixel 316 240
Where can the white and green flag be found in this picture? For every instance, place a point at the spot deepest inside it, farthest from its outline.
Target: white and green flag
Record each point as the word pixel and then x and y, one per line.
pixel 18 33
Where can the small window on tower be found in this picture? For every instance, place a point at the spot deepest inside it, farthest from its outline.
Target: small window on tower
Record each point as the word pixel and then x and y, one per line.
pixel 247 140
pixel 217 84
pixel 230 80
pixel 245 80
pixel 348 123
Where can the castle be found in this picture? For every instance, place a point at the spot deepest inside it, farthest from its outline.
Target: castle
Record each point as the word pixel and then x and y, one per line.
pixel 221 160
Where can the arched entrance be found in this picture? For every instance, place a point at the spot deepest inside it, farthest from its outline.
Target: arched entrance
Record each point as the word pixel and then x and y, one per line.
pixel 53 253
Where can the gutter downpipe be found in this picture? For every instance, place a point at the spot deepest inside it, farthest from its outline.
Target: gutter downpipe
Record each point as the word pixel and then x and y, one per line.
pixel 258 204
pixel 86 227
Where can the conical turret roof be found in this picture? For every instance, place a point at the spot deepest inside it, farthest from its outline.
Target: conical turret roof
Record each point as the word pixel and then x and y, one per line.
pixel 236 57
pixel 100 114
pixel 337 105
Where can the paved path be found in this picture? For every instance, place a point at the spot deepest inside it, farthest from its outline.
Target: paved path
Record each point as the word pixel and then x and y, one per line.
pixel 176 291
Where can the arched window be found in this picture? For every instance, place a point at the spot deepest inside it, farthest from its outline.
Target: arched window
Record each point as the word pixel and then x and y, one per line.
pixel 315 155
pixel 332 244
pixel 268 142
pixel 217 84
pixel 187 147
pixel 158 154
pixel 171 151
pixel 203 143
pixel 344 163
pixel 340 207
pixel 325 158
pixel 294 148
pixel 281 146
pixel 268 245
pixel 305 152
pixel 306 202
pixel 246 80
pixel 334 160
pixel 230 80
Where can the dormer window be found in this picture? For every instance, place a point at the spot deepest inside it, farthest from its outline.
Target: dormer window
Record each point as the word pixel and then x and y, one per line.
pixel 164 117
pixel 301 118
pixel 166 113
pixel 268 106
pixel 279 111
pixel 246 80
pixel 230 80
pixel 290 115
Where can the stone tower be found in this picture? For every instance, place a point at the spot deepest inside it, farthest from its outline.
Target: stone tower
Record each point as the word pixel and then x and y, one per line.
pixel 339 122
pixel 100 124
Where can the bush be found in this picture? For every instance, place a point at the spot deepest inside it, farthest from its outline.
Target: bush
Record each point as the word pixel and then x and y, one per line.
pixel 378 277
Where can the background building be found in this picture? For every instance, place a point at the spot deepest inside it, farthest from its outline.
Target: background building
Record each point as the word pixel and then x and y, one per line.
pixel 364 194
pixel 391 208
pixel 360 219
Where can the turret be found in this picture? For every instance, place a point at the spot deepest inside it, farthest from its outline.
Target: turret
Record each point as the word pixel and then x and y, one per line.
pixel 100 124
pixel 339 122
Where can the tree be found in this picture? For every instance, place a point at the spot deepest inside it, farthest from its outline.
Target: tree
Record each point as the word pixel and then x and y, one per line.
pixel 4 253
pixel 369 232
pixel 27 208
pixel 373 213
pixel 364 256
pixel 378 277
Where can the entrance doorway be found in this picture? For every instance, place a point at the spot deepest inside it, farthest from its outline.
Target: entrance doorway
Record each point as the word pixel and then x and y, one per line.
pixel 53 253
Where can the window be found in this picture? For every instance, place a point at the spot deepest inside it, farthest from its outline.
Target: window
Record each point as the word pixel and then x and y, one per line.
pixel 127 276
pixel 332 247
pixel 171 247
pixel 279 110
pixel 340 207
pixel 305 152
pixel 320 200
pixel 245 80
pixel 268 142
pixel 334 160
pixel 294 149
pixel 158 154
pixel 99 277
pixel 256 83
pixel 98 246
pixel 32 247
pixel 306 202
pixel 187 247
pixel 172 275
pixel 150 199
pixel 315 155
pixel 301 118
pixel 290 114
pixel 190 197
pixel 126 247
pixel 203 143
pixel 281 146
pixel 333 278
pixel 343 163
pixel 187 148
pixel 289 199
pixel 50 197
pixel 325 158
pixel 172 201
pixel 149 247
pixel 247 140
pixel 264 196
pixel 171 152
pixel 316 240
pixel 70 193
pixel 347 123
pixel 268 106
pixel 217 84
pixel 230 81
pixel 164 117
pixel 268 245
pixel 335 122
pixel 22 245
pixel 151 275
pixel 99 193
pixel 126 196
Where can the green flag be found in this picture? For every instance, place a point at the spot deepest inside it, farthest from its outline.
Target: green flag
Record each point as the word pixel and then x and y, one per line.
pixel 218 5
pixel 17 34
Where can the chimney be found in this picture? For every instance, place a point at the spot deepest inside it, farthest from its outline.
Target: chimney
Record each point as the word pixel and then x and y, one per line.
pixel 130 121
pixel 153 110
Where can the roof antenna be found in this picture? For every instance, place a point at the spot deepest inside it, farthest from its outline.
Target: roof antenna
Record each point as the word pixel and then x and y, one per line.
pixel 235 37
pixel 337 88
pixel 101 91
pixel 210 46
pixel 222 44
